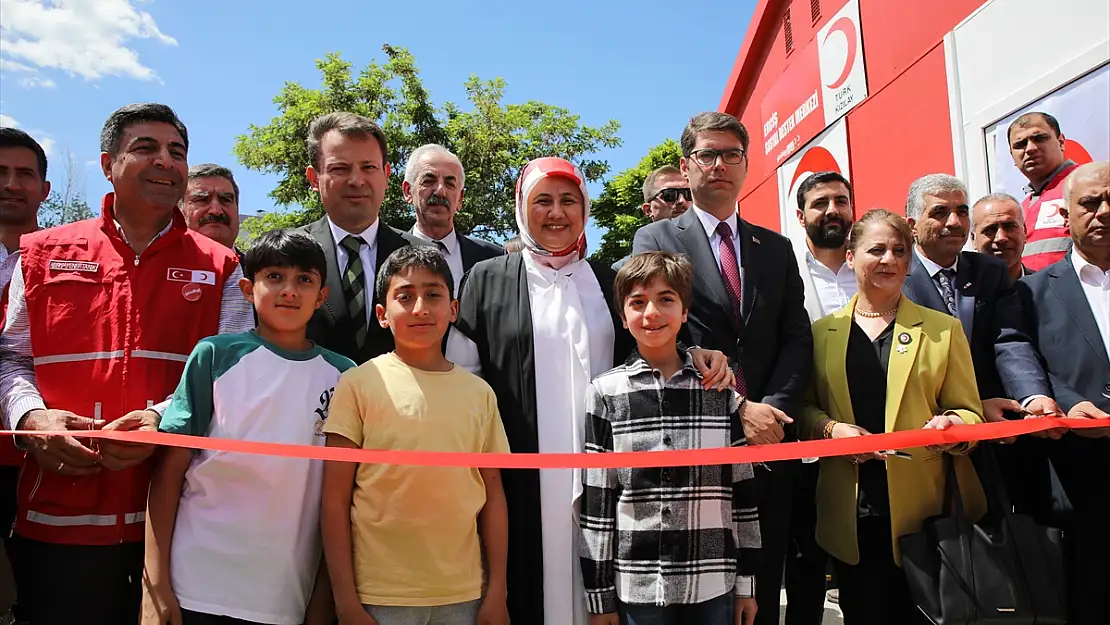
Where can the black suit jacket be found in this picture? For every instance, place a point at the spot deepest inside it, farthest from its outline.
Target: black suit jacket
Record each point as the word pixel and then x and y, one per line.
pixel 773 341
pixel 475 251
pixel 1006 363
pixel 331 326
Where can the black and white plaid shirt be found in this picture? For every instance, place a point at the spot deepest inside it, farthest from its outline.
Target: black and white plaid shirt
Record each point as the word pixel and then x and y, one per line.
pixel 665 536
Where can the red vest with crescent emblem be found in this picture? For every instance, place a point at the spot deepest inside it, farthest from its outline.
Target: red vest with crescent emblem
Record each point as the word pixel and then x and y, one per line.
pixel 1047 238
pixel 110 333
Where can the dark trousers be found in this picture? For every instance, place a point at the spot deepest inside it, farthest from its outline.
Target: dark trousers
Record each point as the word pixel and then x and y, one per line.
pixel 806 562
pixel 719 611
pixel 875 591
pixel 90 585
pixel 777 494
pixel 189 617
pixel 9 477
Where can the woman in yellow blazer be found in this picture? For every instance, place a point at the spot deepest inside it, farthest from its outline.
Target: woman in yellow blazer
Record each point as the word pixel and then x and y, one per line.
pixel 883 364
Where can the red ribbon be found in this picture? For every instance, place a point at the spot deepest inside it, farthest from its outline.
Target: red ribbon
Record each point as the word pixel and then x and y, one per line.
pixel 690 457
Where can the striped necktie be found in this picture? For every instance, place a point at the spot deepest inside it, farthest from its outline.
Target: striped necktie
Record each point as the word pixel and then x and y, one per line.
pixel 354 287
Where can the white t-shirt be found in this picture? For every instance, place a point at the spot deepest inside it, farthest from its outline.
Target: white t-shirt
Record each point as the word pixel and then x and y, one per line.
pixel 246 543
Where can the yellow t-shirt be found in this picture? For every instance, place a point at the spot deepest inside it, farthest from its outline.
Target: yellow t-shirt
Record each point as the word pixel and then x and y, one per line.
pixel 414 529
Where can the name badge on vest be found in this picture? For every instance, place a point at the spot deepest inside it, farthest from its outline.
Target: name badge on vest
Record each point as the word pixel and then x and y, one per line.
pixel 191 275
pixel 73 265
pixel 1049 215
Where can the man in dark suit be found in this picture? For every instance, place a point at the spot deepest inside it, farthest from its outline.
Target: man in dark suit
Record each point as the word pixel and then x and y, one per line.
pixel 1067 309
pixel 978 290
pixel 999 230
pixel 350 170
pixel 749 304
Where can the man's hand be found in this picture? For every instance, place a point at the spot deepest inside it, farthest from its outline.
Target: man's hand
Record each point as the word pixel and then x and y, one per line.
pixel 494 611
pixel 355 615
pixel 116 455
pixel 847 430
pixel 761 423
pixel 609 618
pixel 943 422
pixel 159 604
pixel 61 454
pixel 745 611
pixel 1045 407
pixel 1087 410
pixel 994 412
pixel 714 369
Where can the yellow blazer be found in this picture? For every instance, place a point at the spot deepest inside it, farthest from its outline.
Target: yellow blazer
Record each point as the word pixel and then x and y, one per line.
pixel 934 375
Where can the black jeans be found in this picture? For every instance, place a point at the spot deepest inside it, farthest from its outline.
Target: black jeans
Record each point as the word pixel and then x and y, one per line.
pixel 9 477
pixel 777 488
pixel 806 562
pixel 875 592
pixel 87 584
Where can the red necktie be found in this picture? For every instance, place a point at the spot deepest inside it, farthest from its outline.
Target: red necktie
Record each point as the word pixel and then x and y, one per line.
pixel 730 270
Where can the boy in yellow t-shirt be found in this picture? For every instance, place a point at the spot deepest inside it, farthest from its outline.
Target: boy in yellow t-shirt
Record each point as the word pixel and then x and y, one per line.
pixel 404 544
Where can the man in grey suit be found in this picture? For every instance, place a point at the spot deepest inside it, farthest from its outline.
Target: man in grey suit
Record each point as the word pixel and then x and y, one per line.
pixel 349 168
pixel 666 196
pixel 977 289
pixel 1069 316
pixel 748 303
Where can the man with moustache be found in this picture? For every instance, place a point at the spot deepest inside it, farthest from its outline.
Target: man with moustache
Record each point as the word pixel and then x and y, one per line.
pixel 999 231
pixel 1069 313
pixel 349 167
pixel 23 187
pixel 102 315
pixel 666 196
pixel 211 204
pixel 435 184
pixel 1037 148
pixel 977 290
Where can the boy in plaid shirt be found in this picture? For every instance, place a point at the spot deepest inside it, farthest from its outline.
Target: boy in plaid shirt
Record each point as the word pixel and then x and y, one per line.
pixel 665 546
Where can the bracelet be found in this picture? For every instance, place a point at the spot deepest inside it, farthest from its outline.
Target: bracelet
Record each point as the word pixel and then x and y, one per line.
pixel 829 428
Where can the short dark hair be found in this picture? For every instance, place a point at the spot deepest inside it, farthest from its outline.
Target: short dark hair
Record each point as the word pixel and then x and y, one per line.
pixel 350 125
pixel 712 121
pixel 413 257
pixel 642 268
pixel 821 177
pixel 285 248
pixel 653 178
pixel 1027 119
pixel 212 170
pixel 16 138
pixel 120 119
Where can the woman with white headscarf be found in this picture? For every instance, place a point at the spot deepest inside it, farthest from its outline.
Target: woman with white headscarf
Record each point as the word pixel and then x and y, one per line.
pixel 538 327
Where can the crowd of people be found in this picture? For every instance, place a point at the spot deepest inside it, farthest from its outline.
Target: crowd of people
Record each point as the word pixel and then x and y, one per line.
pixel 714 332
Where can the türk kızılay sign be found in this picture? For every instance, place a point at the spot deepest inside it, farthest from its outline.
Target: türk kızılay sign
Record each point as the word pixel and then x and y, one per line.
pixel 824 81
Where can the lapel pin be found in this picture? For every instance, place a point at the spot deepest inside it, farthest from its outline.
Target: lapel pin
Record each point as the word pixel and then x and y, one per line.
pixel 904 338
pixel 902 349
pixel 756 241
pixel 967 286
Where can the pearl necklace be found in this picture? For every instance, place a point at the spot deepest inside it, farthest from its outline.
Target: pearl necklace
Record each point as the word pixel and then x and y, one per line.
pixel 866 314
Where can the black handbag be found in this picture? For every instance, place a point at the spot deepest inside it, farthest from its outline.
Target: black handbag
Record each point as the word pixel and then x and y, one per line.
pixel 1007 571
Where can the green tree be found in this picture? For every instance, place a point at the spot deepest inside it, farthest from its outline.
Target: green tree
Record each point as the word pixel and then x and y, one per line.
pixel 66 202
pixel 618 208
pixel 493 140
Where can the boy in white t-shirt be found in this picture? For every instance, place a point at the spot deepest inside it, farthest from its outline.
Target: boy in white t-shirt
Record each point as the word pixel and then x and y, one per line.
pixel 234 538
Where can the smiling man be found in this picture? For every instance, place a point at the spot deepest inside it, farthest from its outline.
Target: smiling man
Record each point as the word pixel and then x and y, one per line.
pixel 211 204
pixel 999 230
pixel 101 317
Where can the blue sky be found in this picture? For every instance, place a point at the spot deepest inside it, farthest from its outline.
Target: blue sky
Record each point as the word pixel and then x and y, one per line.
pixel 66 64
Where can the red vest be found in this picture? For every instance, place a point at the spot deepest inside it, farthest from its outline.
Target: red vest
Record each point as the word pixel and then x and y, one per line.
pixel 1046 236
pixel 113 329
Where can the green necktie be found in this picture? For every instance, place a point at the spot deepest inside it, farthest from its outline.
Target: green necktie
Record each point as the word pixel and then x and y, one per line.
pixel 354 287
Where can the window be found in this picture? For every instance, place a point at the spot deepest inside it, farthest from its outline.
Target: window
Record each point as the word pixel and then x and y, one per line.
pixel 815 10
pixel 788 32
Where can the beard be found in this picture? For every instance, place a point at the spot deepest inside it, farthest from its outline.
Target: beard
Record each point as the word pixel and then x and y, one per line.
pixel 829 233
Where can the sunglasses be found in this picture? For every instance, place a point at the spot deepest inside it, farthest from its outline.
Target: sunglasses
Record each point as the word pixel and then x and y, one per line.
pixel 670 196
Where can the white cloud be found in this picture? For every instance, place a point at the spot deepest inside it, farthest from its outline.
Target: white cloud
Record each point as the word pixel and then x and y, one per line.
pixel 37 81
pixel 8 121
pixel 87 38
pixel 47 144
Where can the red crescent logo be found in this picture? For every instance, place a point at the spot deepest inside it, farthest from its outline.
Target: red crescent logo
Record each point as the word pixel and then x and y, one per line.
pixel 814 160
pixel 1075 151
pixel 845 26
pixel 191 292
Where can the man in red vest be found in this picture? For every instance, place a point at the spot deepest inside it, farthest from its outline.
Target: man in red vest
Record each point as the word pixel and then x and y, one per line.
pixel 102 315
pixel 1037 147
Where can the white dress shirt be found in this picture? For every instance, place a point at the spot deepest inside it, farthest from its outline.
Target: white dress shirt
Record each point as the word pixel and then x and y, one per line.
pixel 709 222
pixel 368 253
pixel 1096 286
pixel 453 253
pixel 833 289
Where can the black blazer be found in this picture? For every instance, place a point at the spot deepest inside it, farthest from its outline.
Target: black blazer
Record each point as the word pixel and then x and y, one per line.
pixel 773 341
pixel 496 313
pixel 331 326
pixel 475 251
pixel 1006 363
pixel 1066 334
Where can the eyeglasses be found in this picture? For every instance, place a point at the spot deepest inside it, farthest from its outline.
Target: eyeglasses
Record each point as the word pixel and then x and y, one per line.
pixel 708 156
pixel 670 196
